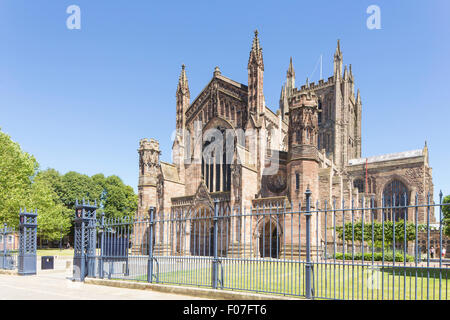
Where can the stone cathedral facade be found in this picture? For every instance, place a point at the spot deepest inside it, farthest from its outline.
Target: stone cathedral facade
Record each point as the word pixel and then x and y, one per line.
pixel 314 139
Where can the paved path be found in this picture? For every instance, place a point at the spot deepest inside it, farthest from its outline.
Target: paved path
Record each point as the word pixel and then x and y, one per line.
pixel 53 285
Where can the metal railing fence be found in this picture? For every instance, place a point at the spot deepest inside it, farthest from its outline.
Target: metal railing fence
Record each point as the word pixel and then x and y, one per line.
pixel 8 248
pixel 314 250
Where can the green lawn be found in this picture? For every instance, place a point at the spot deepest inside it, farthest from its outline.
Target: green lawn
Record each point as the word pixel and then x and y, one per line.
pixel 330 281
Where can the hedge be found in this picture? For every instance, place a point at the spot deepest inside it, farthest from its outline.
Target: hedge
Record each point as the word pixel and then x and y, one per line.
pixel 377 256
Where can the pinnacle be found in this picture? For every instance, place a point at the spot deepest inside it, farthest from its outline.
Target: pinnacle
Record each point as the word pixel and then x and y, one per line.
pixel 290 71
pixel 183 82
pixel 255 45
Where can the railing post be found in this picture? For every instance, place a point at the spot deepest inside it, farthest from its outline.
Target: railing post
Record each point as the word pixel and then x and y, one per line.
pixel 102 248
pixel 151 212
pixel 215 264
pixel 308 265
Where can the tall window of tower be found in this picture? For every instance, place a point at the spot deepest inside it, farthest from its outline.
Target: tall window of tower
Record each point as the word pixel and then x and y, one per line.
pixel 297 181
pixel 216 172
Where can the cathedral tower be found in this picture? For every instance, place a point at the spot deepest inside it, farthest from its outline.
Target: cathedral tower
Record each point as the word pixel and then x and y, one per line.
pixel 303 160
pixel 149 169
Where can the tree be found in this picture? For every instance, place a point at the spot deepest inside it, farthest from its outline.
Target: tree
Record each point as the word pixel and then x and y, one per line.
pixel 446 216
pixel 54 219
pixel 113 197
pixel 17 170
pixel 376 229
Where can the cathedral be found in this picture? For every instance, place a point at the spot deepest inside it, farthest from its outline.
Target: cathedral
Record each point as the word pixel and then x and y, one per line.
pixel 313 141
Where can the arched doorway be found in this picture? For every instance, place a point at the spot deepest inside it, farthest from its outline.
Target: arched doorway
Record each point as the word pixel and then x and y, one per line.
pixel 269 240
pixel 395 196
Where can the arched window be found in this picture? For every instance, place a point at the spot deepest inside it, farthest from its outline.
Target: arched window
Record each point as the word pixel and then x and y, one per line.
pixel 216 171
pixel 359 184
pixel 395 201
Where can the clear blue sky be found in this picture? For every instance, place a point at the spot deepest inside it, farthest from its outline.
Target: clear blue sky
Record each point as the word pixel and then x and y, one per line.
pixel 81 99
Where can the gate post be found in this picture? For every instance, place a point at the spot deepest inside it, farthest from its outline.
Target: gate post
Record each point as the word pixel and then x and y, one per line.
pixel 102 244
pixel 27 242
pixel 215 264
pixel 84 239
pixel 308 265
pixel 151 211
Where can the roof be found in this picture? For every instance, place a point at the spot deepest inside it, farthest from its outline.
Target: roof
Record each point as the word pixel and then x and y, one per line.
pixel 387 157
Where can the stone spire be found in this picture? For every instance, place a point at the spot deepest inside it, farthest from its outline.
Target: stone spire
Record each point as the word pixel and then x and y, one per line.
pixel 183 98
pixel 338 49
pixel 338 60
pixel 291 71
pixel 290 79
pixel 183 85
pixel 256 56
pixel 345 73
pixel 255 79
pixel 358 97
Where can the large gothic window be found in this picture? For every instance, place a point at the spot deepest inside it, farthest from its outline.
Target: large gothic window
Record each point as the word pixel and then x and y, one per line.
pixel 216 168
pixel 395 201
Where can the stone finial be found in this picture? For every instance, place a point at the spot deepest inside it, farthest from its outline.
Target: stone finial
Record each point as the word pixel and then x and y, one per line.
pixel 217 71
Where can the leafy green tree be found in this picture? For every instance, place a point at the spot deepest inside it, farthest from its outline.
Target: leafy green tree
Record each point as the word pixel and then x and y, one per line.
pixel 79 186
pixel 21 186
pixel 17 170
pixel 113 197
pixel 54 219
pixel 376 229
pixel 52 194
pixel 446 216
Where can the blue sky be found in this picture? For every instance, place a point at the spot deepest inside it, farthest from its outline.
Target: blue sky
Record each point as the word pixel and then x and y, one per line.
pixel 82 99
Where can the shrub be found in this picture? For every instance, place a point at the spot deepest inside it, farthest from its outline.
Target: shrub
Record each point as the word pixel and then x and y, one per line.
pixel 377 256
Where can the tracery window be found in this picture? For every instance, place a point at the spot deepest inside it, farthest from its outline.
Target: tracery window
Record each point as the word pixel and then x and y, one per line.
pixel 216 172
pixel 395 201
